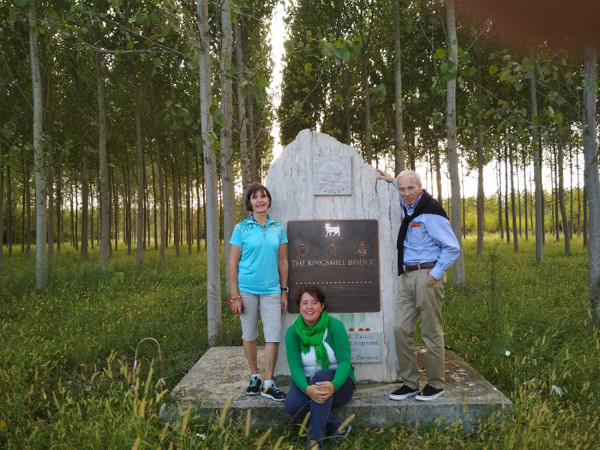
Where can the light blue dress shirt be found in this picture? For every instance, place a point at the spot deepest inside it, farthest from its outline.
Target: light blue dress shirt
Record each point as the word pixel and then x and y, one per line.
pixel 429 238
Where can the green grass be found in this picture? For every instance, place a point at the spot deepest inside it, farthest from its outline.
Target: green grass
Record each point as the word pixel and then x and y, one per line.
pixel 66 354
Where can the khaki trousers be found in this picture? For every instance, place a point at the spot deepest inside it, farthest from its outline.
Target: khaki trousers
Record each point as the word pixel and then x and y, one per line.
pixel 416 299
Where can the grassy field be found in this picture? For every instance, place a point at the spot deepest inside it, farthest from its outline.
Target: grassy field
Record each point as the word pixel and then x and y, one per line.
pixel 67 378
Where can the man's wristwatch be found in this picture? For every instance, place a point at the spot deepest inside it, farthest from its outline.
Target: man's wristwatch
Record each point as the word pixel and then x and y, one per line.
pixel 285 289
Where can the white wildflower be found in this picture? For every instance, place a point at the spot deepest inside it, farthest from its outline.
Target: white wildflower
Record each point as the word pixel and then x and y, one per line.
pixel 201 436
pixel 557 390
pixel 507 353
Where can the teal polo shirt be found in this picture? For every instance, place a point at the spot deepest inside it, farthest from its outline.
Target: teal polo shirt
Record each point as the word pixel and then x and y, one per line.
pixel 258 268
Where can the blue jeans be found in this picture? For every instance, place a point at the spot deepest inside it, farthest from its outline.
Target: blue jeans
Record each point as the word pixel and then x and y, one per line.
pixel 321 420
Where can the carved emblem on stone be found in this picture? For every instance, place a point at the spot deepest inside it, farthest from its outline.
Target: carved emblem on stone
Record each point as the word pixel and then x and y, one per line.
pixel 302 250
pixel 332 175
pixel 332 249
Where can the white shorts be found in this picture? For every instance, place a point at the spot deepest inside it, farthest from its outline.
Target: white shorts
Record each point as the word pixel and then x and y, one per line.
pixel 270 313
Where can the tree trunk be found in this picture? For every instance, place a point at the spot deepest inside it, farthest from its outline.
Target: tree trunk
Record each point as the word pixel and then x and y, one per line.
pixel 139 170
pixel 227 177
pixel 204 212
pixel 561 200
pixel 513 205
pixel 499 194
pixel 198 206
pixel 555 194
pixel 41 267
pixel 59 214
pixel 146 212
pixel 399 141
pixel 537 173
pixel 175 209
pixel 1 211
pixel 590 152
pixel 92 220
pixel 464 202
pixel 364 72
pixel 72 216
pixel 517 191
pixel 115 199
pixel 525 197
pixel 128 223
pixel 506 222
pixel 459 269
pixel 213 286
pixel 24 201
pixel 110 209
pixel 479 148
pixel 168 228
pixel 188 204
pixel 438 172
pixel 347 109
pixel 256 172
pixel 585 212
pixel 102 164
pixel 571 192
pixel 245 163
pixel 84 208
pixel 28 207
pixel 154 203
pixel 181 221
pixel 578 198
pixel 50 215
pixel 161 209
pixel 76 218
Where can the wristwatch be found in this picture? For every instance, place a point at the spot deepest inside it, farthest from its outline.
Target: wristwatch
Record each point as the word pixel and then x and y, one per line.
pixel 285 289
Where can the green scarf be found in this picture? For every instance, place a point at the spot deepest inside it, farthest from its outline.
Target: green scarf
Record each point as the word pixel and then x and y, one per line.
pixel 313 337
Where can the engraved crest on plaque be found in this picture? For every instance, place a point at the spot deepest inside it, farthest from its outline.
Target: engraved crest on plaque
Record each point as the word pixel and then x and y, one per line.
pixel 362 249
pixel 332 175
pixel 332 249
pixel 302 250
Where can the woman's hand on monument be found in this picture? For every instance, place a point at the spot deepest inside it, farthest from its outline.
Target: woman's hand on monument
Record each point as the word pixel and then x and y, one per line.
pixel 383 175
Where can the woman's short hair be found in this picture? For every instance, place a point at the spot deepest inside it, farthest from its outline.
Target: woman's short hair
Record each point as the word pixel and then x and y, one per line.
pixel 253 190
pixel 314 291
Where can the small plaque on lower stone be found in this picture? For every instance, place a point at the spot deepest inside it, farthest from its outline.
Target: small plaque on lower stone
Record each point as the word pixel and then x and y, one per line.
pixel 339 256
pixel 365 346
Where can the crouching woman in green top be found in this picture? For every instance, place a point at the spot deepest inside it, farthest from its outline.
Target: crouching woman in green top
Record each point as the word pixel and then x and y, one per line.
pixel 318 353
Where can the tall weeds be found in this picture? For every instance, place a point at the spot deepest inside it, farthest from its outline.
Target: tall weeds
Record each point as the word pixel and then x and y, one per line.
pixel 66 355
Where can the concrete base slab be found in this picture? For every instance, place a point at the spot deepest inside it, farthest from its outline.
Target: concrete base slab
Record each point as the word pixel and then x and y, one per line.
pixel 220 378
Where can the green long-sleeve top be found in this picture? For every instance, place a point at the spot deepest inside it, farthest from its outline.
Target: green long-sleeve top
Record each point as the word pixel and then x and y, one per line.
pixel 337 338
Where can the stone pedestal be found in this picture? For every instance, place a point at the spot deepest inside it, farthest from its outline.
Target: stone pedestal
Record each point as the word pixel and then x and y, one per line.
pixel 218 382
pixel 318 178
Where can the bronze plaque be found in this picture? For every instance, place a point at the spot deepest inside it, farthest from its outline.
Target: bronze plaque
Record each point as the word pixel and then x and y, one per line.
pixel 339 256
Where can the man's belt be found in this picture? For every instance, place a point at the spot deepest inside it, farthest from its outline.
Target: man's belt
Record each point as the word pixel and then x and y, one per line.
pixel 427 265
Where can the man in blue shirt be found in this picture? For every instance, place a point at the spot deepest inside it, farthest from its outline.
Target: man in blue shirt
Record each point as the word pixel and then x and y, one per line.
pixel 427 247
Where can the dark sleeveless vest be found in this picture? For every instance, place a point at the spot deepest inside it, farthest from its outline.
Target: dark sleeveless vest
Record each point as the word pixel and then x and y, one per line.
pixel 427 205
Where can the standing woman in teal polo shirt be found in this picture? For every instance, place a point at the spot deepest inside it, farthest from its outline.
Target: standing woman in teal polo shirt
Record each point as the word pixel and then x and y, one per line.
pixel 258 274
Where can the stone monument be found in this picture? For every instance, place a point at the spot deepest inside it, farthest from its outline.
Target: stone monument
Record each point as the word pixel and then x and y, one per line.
pixel 342 223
